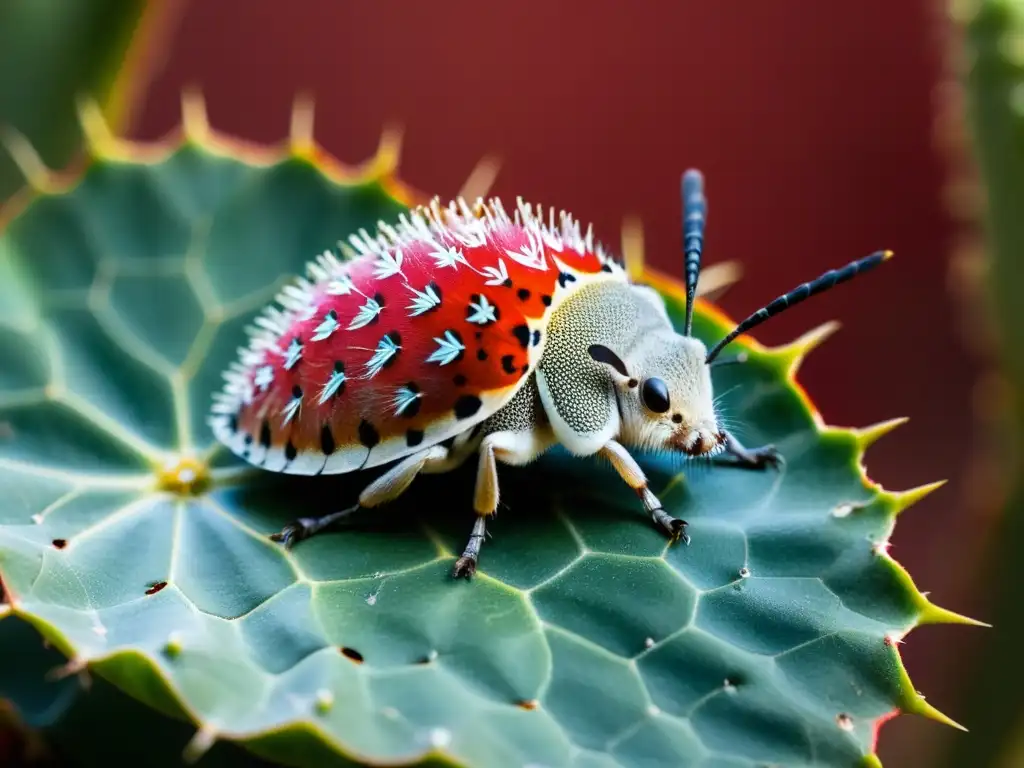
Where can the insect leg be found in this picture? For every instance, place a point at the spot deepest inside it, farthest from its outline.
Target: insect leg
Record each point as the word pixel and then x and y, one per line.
pixel 753 458
pixel 635 478
pixel 385 488
pixel 509 448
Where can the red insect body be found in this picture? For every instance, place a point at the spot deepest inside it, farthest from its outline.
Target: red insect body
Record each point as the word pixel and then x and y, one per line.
pixel 425 331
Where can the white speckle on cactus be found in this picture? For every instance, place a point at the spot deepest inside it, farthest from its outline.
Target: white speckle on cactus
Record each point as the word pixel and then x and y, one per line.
pixel 37 519
pixel 728 686
pixel 390 713
pixel 324 701
pixel 744 572
pixel 440 738
pixel 844 721
pixel 843 510
pixel 99 629
pixel 653 710
pixel 649 642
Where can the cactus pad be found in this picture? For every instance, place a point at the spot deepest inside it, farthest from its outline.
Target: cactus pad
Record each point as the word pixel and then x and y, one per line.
pixel 139 547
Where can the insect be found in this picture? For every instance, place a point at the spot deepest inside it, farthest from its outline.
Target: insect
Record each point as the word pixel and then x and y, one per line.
pixel 462 331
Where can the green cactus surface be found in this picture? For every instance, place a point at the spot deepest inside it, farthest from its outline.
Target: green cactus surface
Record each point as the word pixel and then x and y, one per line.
pixel 139 548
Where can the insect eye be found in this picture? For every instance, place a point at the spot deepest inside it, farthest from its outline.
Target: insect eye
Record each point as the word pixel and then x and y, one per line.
pixel 654 394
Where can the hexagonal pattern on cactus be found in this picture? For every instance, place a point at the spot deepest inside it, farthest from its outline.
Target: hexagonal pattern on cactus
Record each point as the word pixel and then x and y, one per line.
pixel 140 548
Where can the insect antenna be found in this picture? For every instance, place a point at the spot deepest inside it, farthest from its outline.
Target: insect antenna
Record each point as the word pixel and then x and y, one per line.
pixel 804 291
pixel 695 207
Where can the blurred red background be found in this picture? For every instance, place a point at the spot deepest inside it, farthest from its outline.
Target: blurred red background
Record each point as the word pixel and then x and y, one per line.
pixel 813 123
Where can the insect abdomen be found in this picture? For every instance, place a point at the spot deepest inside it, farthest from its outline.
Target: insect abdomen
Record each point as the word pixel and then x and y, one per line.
pixel 432 327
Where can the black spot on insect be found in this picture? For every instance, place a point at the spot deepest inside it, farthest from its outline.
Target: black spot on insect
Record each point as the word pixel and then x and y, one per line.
pixel 326 440
pixel 564 278
pixel 523 294
pixel 522 334
pixel 332 314
pixel 466 406
pixel 478 335
pixel 449 442
pixel 413 437
pixel 289 451
pixel 379 298
pixel 507 283
pixel 459 380
pixel 412 407
pixel 481 354
pixel 155 587
pixel 248 439
pixel 545 300
pixel 368 434
pixel 606 267
pixel 536 337
pixel 352 653
pixel 59 543
pixel 508 363
pixel 677 418
pixel 265 434
pixel 233 422
pixel 297 392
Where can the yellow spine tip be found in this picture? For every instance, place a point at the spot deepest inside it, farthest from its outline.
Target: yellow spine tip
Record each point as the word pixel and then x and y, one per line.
pixel 199 745
pixel 918 706
pixel 389 150
pixel 480 180
pixel 867 436
pixel 716 278
pixel 99 139
pixel 792 355
pixel 906 499
pixel 37 175
pixel 887 254
pixel 193 115
pixel 632 239
pixel 934 614
pixel 73 666
pixel 5 610
pixel 872 761
pixel 301 131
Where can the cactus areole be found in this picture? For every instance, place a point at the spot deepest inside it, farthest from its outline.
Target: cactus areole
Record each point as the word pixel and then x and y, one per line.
pixel 462 331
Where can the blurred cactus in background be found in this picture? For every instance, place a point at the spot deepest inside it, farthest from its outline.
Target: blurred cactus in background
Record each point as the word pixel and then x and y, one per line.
pixel 54 52
pixel 989 99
